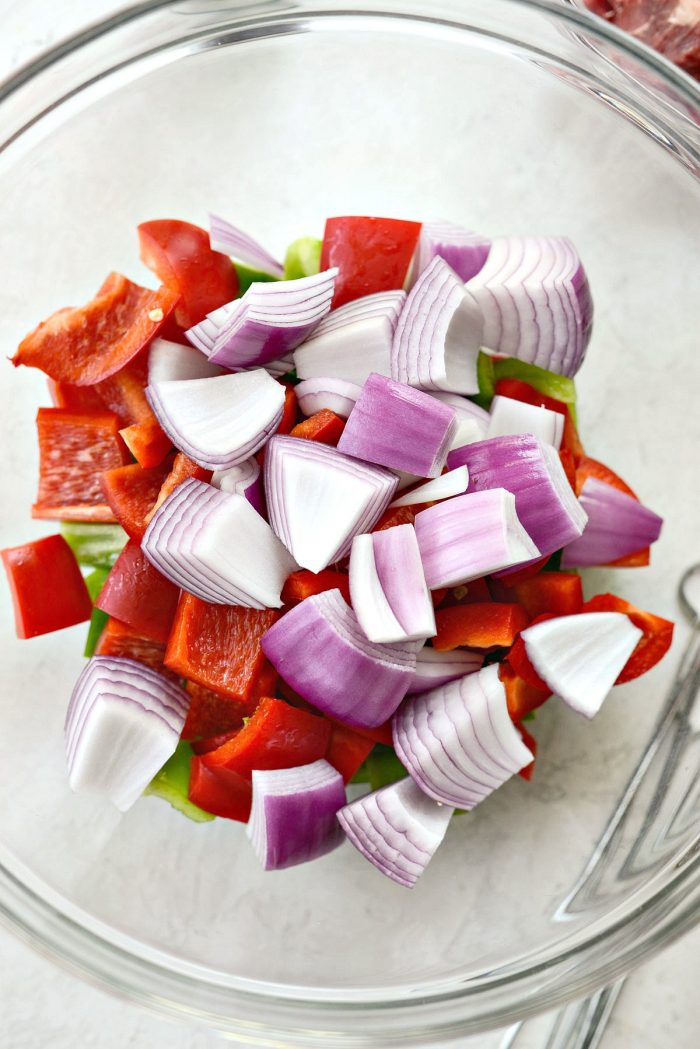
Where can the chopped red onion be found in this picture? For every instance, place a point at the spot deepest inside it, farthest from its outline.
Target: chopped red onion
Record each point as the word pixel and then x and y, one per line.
pixel 472 421
pixel 536 304
pixel 581 656
pixel 458 741
pixel 396 426
pixel 219 422
pixel 439 333
pixel 318 499
pixel 447 485
pixel 509 416
pixel 544 501
pixel 232 241
pixel 320 650
pixel 470 536
pixel 388 588
pixel 123 723
pixel 617 525
pixel 353 341
pixel 243 479
pixel 293 815
pixel 203 336
pixel 281 367
pixel 337 395
pixel 397 828
pixel 171 361
pixel 465 251
pixel 435 668
pixel 215 546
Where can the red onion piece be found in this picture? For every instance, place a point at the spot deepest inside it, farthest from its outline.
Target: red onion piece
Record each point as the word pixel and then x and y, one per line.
pixel 353 341
pixel 293 816
pixel 466 410
pixel 397 828
pixel 123 723
pixel 458 741
pixel 439 334
pixel 509 416
pixel 545 504
pixel 617 525
pixel 243 479
pixel 396 426
pixel 465 251
pixel 435 668
pixel 447 485
pixel 215 546
pixel 581 656
pixel 318 499
pixel 337 395
pixel 320 650
pixel 536 304
pixel 387 585
pixel 471 536
pixel 203 336
pixel 233 241
pixel 171 361
pixel 219 422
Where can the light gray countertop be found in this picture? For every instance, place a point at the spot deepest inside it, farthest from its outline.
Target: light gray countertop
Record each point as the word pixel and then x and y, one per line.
pixel 42 1005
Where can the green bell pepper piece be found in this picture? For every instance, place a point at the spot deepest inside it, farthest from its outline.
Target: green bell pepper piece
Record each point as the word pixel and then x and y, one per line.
pixel 98 620
pixel 303 258
pixel 381 768
pixel 248 276
pixel 490 369
pixel 94 545
pixel 172 784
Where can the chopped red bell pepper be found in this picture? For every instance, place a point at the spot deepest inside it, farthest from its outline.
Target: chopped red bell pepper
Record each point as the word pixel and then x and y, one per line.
pixel 87 344
pixel 481 625
pixel 289 412
pixel 571 442
pixel 180 255
pixel 588 467
pixel 219 791
pixel 205 745
pixel 378 734
pixel 372 254
pixel 277 736
pixel 137 594
pixel 560 593
pixel 439 596
pixel 325 427
pixel 531 744
pixel 148 444
pixel 651 647
pixel 397 515
pixel 511 579
pixel 123 393
pixel 519 660
pixel 76 398
pixel 48 590
pixel 131 493
pixel 75 448
pixel 347 750
pixel 218 646
pixel 211 714
pixel 303 584
pixel 640 559
pixel 120 640
pixel 523 391
pixel 182 469
pixel 265 683
pixel 569 464
pixel 522 696
pixel 477 592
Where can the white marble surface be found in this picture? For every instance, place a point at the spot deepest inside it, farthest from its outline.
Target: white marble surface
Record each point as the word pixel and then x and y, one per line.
pixel 41 1005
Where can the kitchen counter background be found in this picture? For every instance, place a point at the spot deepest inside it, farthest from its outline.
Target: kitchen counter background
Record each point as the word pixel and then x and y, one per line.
pixel 42 1005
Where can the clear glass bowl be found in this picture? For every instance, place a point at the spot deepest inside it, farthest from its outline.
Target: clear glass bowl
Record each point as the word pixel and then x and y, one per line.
pixel 507 116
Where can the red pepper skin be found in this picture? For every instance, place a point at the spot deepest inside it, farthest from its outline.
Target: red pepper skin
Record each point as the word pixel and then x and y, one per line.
pixel 325 427
pixel 372 254
pixel 289 412
pixel 120 640
pixel 180 255
pixel 77 398
pixel 148 444
pixel 560 593
pixel 131 492
pixel 75 448
pixel 531 744
pixel 522 696
pixel 569 464
pixel 478 625
pixel 303 584
pixel 138 595
pixel 398 515
pixel 85 345
pixel 651 647
pixel 219 791
pixel 347 750
pixel 181 470
pixel 479 591
pixel 48 590
pixel 205 745
pixel 519 660
pixel 523 391
pixel 218 646
pixel 211 714
pixel 640 559
pixel 588 467
pixel 277 736
pixel 521 574
pixel 379 734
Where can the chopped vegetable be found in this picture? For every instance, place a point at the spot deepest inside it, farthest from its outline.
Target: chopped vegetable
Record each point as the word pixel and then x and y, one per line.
pixel 230 240
pixel 509 416
pixel 590 468
pixel 172 361
pixel 94 545
pixel 347 750
pixel 325 427
pixel 121 641
pixel 465 252
pixel 147 442
pixel 131 493
pixel 220 792
pixel 303 584
pixel 289 411
pixel 182 469
pixel 372 254
pixel 453 482
pixel 557 592
pixel 211 713
pixel 435 668
pixel 172 783
pixel 478 626
pixel 511 378
pixel 618 525
pixel 303 258
pixel 521 696
pixel 382 767
pixel 651 647
pixel 98 620
pixel 41 569
pixel 337 395
pixel 138 595
pixel 243 479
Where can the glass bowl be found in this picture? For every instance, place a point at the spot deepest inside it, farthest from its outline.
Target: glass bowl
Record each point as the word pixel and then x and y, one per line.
pixel 506 115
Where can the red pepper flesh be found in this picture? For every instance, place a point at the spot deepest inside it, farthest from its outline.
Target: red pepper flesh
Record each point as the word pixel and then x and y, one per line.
pixel 325 427
pixel 219 791
pixel 347 750
pixel 211 714
pixel 560 593
pixel 478 625
pixel 372 254
pixel 303 584
pixel 131 492
pixel 48 590
pixel 137 594
pixel 651 647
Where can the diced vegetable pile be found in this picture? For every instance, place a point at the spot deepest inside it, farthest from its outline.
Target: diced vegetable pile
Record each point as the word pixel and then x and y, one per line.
pixel 327 529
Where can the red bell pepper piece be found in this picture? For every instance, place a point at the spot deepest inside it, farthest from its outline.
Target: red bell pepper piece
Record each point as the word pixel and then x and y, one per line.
pixel 651 647
pixel 523 391
pixel 569 464
pixel 512 579
pixel 123 393
pixel 588 467
pixel 87 344
pixel 180 255
pixel 75 448
pixel 560 593
pixel 218 646
pixel 289 412
pixel 265 683
pixel 48 590
pixel 372 254
pixel 76 398
pixel 522 696
pixel 303 584
pixel 121 641
pixel 347 750
pixel 379 734
pixel 277 736
pixel 131 492
pixel 439 596
pixel 571 442
pixel 219 791
pixel 397 515
pixel 211 714
pixel 640 559
pixel 478 625
pixel 531 744
pixel 477 592
pixel 519 660
pixel 148 444
pixel 181 470
pixel 325 427
pixel 205 745
pixel 137 594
